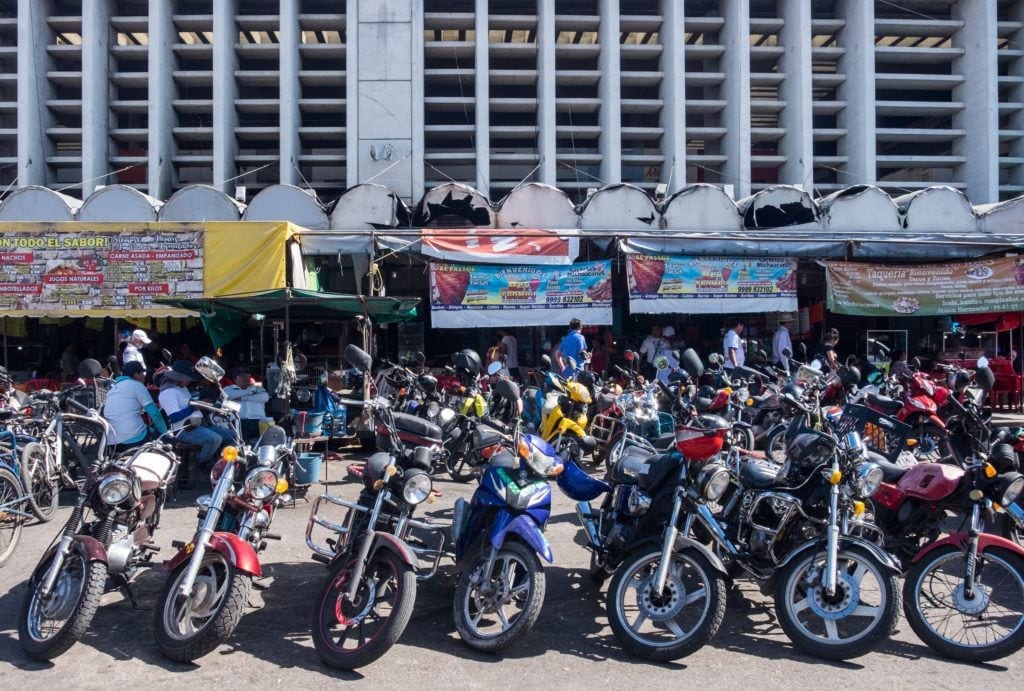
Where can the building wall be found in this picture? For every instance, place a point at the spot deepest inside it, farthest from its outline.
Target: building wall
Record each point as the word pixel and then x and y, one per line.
pixel 575 93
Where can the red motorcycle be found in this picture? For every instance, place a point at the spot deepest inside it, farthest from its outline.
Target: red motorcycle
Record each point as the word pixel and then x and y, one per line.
pixel 918 406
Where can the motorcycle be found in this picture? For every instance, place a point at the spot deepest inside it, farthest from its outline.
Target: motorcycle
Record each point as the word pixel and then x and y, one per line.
pixel 667 596
pixel 208 582
pixel 126 496
pixel 564 421
pixel 918 403
pixel 498 536
pixel 374 559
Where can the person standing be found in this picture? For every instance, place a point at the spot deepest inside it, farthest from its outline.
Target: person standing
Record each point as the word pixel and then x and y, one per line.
pixel 133 349
pixel 510 347
pixel 126 401
pixel 649 349
pixel 573 346
pixel 667 350
pixel 826 353
pixel 253 399
pixel 782 341
pixel 732 346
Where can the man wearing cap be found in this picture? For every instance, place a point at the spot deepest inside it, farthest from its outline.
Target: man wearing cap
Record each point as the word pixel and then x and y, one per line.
pixel 252 397
pixel 132 352
pixel 174 400
pixel 782 341
pixel 127 399
pixel 666 349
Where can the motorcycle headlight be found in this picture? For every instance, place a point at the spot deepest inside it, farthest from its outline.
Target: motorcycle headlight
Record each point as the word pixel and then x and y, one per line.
pixel 1012 485
pixel 446 415
pixel 868 478
pixel 261 484
pixel 714 480
pixel 115 488
pixel 433 409
pixel 417 487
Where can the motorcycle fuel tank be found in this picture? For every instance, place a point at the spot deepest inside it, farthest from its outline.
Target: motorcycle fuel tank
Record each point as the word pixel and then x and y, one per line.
pixel 931 481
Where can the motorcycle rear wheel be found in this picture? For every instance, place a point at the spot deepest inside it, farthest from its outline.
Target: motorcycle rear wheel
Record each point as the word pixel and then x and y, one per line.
pixel 387 581
pixel 926 588
pixel 459 463
pixel 775 445
pixel 632 605
pixel 188 628
pixel 48 628
pixel 10 524
pixel 518 578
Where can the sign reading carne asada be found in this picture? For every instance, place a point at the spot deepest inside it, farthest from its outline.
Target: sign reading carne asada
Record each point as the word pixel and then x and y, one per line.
pixel 980 285
pixel 667 284
pixel 75 273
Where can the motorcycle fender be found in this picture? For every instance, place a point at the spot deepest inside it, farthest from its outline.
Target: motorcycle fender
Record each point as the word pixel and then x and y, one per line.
pixel 740 423
pixel 94 549
pixel 569 426
pixel 959 540
pixel 393 544
pixel 846 542
pixel 526 529
pixel 237 551
pixel 713 559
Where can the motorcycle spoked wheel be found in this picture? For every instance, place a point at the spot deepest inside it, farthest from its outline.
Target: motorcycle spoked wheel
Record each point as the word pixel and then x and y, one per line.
pixel 43 492
pixel 188 628
pixel 10 524
pixel 681 621
pixel 459 463
pixel 741 438
pixel 47 628
pixel 383 604
pixel 482 601
pixel 931 442
pixel 568 448
pixel 861 614
pixel 986 627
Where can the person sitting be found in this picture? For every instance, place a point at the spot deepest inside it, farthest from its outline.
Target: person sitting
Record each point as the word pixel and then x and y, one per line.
pixel 174 400
pixel 126 401
pixel 252 397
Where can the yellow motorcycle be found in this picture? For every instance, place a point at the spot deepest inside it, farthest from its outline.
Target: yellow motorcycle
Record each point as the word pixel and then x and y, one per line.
pixel 564 421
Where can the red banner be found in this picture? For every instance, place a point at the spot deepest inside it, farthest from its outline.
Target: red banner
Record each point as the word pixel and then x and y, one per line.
pixel 490 246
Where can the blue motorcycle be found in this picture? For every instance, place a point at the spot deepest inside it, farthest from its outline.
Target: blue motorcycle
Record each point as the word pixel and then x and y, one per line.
pixel 498 535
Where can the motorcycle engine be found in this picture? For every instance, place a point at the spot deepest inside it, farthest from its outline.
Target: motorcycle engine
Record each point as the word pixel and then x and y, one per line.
pixel 120 551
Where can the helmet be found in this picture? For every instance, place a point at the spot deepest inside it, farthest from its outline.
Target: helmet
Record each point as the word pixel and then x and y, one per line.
pixel 427 382
pixel 961 379
pixel 467 365
pixel 586 377
pixel 578 393
pixel 1004 458
pixel 850 376
pixel 810 448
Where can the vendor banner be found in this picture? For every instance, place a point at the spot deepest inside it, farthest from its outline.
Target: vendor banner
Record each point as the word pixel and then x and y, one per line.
pixel 667 284
pixel 487 246
pixel 982 285
pixel 469 295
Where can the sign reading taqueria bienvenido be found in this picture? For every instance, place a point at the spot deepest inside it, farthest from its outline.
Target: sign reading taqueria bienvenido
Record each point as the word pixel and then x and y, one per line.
pixel 981 285
pixel 76 273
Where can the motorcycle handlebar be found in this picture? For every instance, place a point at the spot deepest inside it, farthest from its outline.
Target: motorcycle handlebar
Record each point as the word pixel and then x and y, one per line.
pixel 206 407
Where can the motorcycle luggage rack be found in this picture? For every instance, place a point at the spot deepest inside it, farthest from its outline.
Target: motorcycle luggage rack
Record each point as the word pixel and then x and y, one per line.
pixel 341 529
pixel 603 428
pixel 882 434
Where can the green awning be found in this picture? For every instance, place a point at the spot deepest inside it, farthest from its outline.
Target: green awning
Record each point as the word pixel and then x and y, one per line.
pixel 224 316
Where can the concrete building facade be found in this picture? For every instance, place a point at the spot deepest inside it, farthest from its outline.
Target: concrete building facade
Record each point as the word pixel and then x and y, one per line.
pixel 579 94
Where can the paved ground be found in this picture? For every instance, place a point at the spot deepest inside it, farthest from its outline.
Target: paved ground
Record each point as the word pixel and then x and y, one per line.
pixel 571 646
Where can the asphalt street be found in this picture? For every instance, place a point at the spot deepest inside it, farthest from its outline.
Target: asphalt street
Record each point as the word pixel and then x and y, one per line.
pixel 571 646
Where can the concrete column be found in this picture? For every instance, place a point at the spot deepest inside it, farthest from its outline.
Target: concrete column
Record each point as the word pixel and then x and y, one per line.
pixel 96 118
pixel 160 174
pixel 225 91
pixel 418 175
pixel 610 93
pixel 482 85
pixel 351 93
pixel 736 92
pixel 1016 120
pixel 290 91
pixel 547 140
pixel 858 118
pixel 797 119
pixel 34 90
pixel 980 94
pixel 673 94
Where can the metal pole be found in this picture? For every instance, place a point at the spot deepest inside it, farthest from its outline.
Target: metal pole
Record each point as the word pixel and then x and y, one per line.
pixel 5 345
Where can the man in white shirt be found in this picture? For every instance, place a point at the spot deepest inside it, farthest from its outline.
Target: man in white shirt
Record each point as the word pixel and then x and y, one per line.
pixel 174 400
pixel 732 346
pixel 782 341
pixel 651 345
pixel 132 351
pixel 510 348
pixel 666 350
pixel 253 399
pixel 124 405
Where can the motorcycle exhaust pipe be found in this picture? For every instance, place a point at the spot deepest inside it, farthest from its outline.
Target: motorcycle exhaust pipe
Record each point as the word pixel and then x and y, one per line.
pixel 586 516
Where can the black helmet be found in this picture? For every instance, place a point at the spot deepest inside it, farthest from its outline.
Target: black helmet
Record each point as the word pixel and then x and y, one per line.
pixel 850 376
pixel 467 365
pixel 585 377
pixel 1004 458
pixel 427 382
pixel 961 380
pixel 810 448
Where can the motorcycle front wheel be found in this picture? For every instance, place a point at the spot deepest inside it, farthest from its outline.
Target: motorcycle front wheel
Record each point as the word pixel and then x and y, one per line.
pixel 986 626
pixel 349 634
pixel 741 437
pixel 679 621
pixel 187 628
pixel 775 445
pixel 494 610
pixel 861 613
pixel 10 523
pixel 49 626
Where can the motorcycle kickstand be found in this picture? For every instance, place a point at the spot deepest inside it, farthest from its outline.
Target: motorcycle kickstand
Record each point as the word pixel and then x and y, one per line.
pixel 129 593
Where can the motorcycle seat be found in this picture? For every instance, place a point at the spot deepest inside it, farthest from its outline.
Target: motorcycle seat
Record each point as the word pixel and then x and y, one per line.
pixel 665 441
pixel 759 475
pixel 890 471
pixel 884 403
pixel 417 427
pixel 153 469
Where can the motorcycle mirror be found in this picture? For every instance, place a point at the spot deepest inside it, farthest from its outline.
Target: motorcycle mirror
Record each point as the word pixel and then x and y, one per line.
pixel 629 355
pixel 208 368
pixel 419 358
pixel 545 361
pixel 358 358
pixel 715 359
pixel 691 363
pixel 494 368
pixel 661 362
pixel 985 379
pixel 89 369
pixel 165 356
pixel 801 349
pixel 917 362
